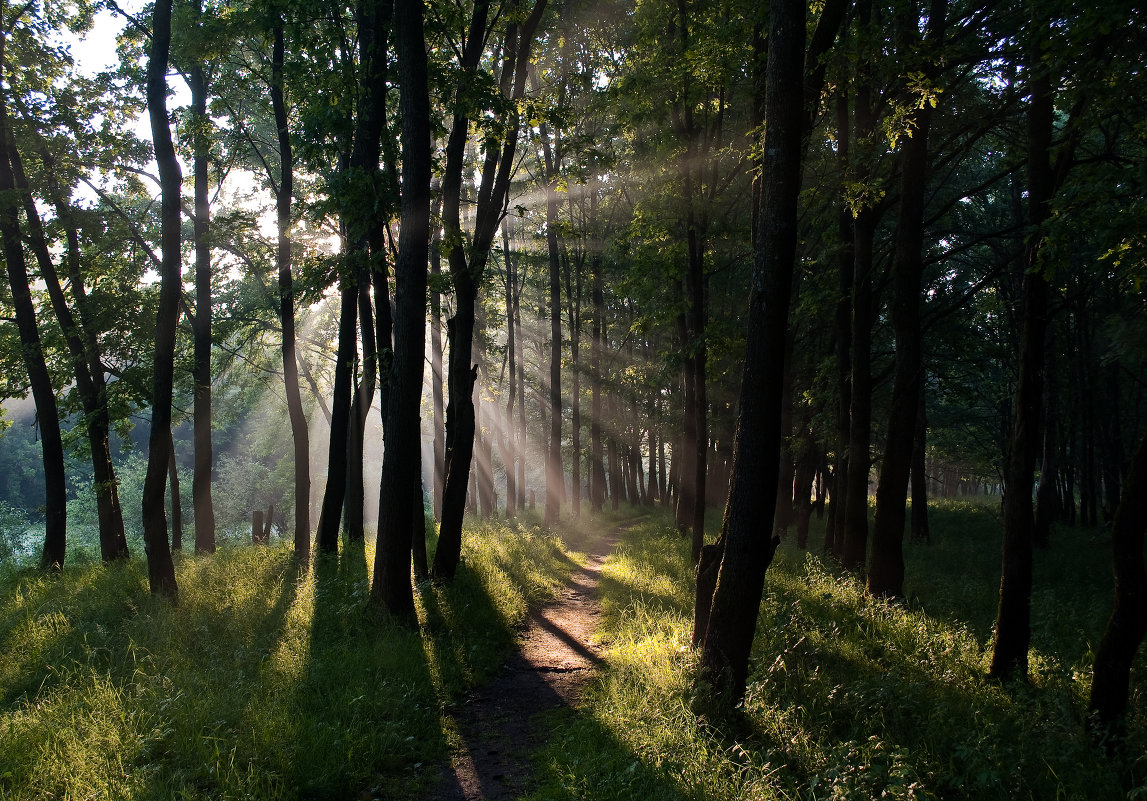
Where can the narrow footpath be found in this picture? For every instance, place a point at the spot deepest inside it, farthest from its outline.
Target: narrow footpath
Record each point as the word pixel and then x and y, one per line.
pixel 502 723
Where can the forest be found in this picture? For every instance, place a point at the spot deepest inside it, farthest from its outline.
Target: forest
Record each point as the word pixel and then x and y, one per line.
pixel 805 343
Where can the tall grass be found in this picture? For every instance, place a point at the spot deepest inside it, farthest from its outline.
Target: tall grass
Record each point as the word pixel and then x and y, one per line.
pixel 849 697
pixel 264 683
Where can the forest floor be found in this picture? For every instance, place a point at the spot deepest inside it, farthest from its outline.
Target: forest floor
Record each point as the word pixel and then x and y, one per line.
pixel 503 722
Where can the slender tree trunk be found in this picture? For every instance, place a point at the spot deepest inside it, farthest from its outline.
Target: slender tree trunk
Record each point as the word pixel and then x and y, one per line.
pixel 1111 678
pixel 555 478
pixel 176 499
pixel 160 568
pixel 300 435
pixel 1046 497
pixel 403 439
pixel 84 350
pixel 745 554
pixel 47 415
pixel 509 457
pixel 886 572
pixel 436 377
pixel 686 472
pixel 330 515
pixel 201 322
pixel 1013 618
pixel 596 452
pixel 920 529
pixel 834 528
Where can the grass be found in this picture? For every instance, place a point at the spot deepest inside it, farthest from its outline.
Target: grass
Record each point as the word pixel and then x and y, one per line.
pixel 849 697
pixel 264 683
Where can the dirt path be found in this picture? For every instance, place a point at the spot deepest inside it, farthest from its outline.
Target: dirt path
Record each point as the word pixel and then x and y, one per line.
pixel 501 723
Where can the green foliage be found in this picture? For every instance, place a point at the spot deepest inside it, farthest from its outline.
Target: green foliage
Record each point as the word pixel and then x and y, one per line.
pixel 849 698
pixel 263 683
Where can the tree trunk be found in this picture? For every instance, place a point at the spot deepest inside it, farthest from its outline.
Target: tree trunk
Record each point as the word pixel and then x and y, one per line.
pixel 436 377
pixel 300 435
pixel 842 327
pixel 920 529
pixel 886 573
pixel 403 439
pixel 47 415
pixel 596 452
pixel 509 457
pixel 746 555
pixel 330 516
pixel 84 350
pixel 1111 677
pixel 176 498
pixel 1013 618
pixel 555 479
pixel 201 321
pixel 161 570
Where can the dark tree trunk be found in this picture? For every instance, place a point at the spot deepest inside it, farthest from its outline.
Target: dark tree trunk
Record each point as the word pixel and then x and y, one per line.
pixel 403 439
pixel 467 264
pixel 842 327
pixel 300 435
pixel 201 322
pixel 886 572
pixel 160 568
pixel 436 377
pixel 47 415
pixel 84 350
pixel 596 451
pixel 1047 498
pixel 176 498
pixel 920 529
pixel 1013 618
pixel 688 451
pixel 555 478
pixel 1111 679
pixel 330 516
pixel 509 453
pixel 747 551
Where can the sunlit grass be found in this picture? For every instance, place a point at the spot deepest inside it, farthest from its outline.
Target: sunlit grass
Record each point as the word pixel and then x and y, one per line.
pixel 264 682
pixel 849 697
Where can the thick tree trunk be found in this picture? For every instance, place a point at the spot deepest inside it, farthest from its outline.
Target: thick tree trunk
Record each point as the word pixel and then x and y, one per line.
pixel 47 414
pixel 300 435
pixel 161 570
pixel 403 440
pixel 201 322
pixel 1111 678
pixel 1013 618
pixel 747 552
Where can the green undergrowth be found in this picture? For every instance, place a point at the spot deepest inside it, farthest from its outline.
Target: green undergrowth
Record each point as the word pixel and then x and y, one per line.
pixel 849 697
pixel 263 683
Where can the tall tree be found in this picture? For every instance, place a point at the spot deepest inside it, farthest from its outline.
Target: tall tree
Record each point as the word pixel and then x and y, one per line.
pixel 467 261
pixel 401 463
pixel 160 568
pixel 744 551
pixel 886 571
pixel 47 415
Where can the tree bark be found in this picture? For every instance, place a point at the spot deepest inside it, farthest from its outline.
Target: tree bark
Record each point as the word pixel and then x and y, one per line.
pixel 201 320
pixel 300 435
pixel 160 568
pixel 1013 618
pixel 47 414
pixel 84 350
pixel 747 552
pixel 1111 677
pixel 403 440
pixel 886 572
